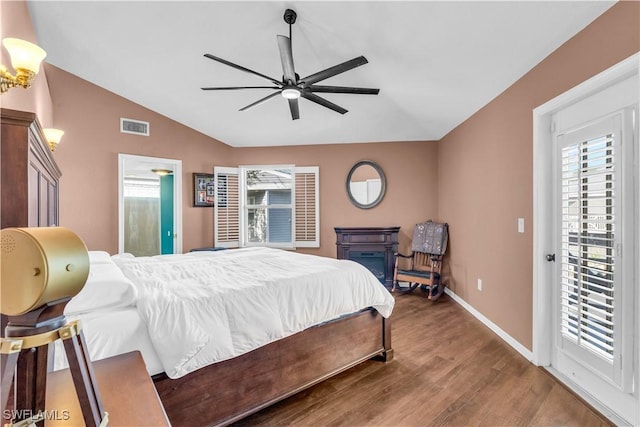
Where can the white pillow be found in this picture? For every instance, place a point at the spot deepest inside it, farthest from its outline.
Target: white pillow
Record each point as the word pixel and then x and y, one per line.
pixel 96 257
pixel 106 287
pixel 124 255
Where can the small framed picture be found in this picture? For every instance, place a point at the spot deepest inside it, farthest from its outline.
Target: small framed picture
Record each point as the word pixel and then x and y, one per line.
pixel 203 190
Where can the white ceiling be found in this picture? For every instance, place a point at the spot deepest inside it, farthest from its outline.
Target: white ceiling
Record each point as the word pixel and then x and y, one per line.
pixel 436 63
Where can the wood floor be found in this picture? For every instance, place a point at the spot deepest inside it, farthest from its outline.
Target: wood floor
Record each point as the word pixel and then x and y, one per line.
pixel 448 370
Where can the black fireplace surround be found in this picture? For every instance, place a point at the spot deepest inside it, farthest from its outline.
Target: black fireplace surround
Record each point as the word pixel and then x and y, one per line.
pixel 372 247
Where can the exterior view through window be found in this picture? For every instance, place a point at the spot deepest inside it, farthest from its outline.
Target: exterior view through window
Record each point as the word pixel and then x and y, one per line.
pixel 268 206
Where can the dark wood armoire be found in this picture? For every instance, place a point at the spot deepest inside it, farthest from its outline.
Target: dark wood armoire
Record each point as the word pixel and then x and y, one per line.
pixel 29 177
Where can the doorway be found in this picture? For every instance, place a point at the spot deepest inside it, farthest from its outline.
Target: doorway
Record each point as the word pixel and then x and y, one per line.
pixel 149 207
pixel 587 233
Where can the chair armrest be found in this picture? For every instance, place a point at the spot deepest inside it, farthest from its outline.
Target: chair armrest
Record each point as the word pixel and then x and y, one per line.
pixel 398 254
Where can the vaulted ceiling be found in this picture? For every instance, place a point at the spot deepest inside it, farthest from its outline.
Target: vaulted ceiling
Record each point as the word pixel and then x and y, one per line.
pixel 436 63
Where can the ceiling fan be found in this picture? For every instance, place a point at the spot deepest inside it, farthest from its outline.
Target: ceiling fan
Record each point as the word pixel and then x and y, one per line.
pixel 292 86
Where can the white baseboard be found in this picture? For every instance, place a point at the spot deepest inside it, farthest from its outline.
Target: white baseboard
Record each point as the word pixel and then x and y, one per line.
pixel 489 324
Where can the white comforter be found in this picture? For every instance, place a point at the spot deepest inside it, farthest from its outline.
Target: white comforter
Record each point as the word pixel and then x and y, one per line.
pixel 205 307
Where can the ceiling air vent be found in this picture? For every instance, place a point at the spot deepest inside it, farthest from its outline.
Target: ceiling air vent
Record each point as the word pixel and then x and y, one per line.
pixel 135 127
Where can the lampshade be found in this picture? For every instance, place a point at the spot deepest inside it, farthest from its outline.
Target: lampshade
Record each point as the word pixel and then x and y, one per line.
pixel 53 137
pixel 24 55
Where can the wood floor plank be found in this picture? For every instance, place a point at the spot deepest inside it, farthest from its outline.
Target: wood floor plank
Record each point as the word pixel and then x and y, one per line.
pixel 448 369
pixel 562 408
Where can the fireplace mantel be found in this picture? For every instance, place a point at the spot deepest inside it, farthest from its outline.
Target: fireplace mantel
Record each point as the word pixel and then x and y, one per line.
pixel 372 247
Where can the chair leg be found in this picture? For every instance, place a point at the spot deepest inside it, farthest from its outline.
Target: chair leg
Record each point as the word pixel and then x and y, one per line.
pixel 439 290
pixel 399 290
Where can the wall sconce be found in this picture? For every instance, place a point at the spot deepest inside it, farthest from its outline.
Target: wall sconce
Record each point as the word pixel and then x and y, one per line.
pixel 162 172
pixel 53 137
pixel 25 59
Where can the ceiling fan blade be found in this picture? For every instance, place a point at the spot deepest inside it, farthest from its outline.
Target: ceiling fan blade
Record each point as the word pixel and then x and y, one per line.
pixel 343 89
pixel 318 100
pixel 260 101
pixel 295 111
pixel 286 57
pixel 332 71
pixel 240 87
pixel 241 68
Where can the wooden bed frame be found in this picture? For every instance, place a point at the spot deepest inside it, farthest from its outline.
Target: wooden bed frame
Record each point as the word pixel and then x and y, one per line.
pixel 227 391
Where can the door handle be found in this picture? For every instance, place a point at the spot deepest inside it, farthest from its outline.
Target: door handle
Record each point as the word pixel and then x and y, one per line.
pixel 551 257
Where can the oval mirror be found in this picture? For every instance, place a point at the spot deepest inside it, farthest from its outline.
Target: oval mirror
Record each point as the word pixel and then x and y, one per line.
pixel 366 184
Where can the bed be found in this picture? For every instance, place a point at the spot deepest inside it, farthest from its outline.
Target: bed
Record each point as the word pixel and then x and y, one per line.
pixel 277 322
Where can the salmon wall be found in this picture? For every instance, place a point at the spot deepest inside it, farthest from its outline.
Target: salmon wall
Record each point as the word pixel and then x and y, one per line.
pixel 88 158
pixel 411 171
pixel 15 21
pixel 486 173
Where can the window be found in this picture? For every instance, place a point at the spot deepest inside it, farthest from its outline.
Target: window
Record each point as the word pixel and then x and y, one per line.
pixel 267 205
pixel 267 208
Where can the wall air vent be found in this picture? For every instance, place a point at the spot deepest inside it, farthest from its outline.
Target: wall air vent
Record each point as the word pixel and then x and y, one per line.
pixel 135 127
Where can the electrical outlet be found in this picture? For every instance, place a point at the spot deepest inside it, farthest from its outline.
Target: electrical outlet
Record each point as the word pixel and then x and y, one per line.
pixel 520 225
pixel 479 284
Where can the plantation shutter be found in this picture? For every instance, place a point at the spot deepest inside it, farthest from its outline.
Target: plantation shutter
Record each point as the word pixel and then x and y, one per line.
pixel 588 244
pixel 226 207
pixel 591 286
pixel 307 212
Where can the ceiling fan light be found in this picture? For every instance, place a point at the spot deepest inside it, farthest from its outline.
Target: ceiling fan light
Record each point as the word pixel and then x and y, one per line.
pixel 291 93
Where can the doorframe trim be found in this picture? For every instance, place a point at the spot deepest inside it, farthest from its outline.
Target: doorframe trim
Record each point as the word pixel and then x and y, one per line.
pixel 542 207
pixel 177 197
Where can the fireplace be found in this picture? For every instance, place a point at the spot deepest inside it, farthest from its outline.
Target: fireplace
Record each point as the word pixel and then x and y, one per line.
pixel 373 247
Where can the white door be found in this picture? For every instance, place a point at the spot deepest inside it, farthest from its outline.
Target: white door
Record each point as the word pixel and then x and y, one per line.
pixel 594 232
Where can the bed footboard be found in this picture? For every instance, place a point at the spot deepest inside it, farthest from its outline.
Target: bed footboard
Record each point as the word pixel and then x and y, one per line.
pixel 227 391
